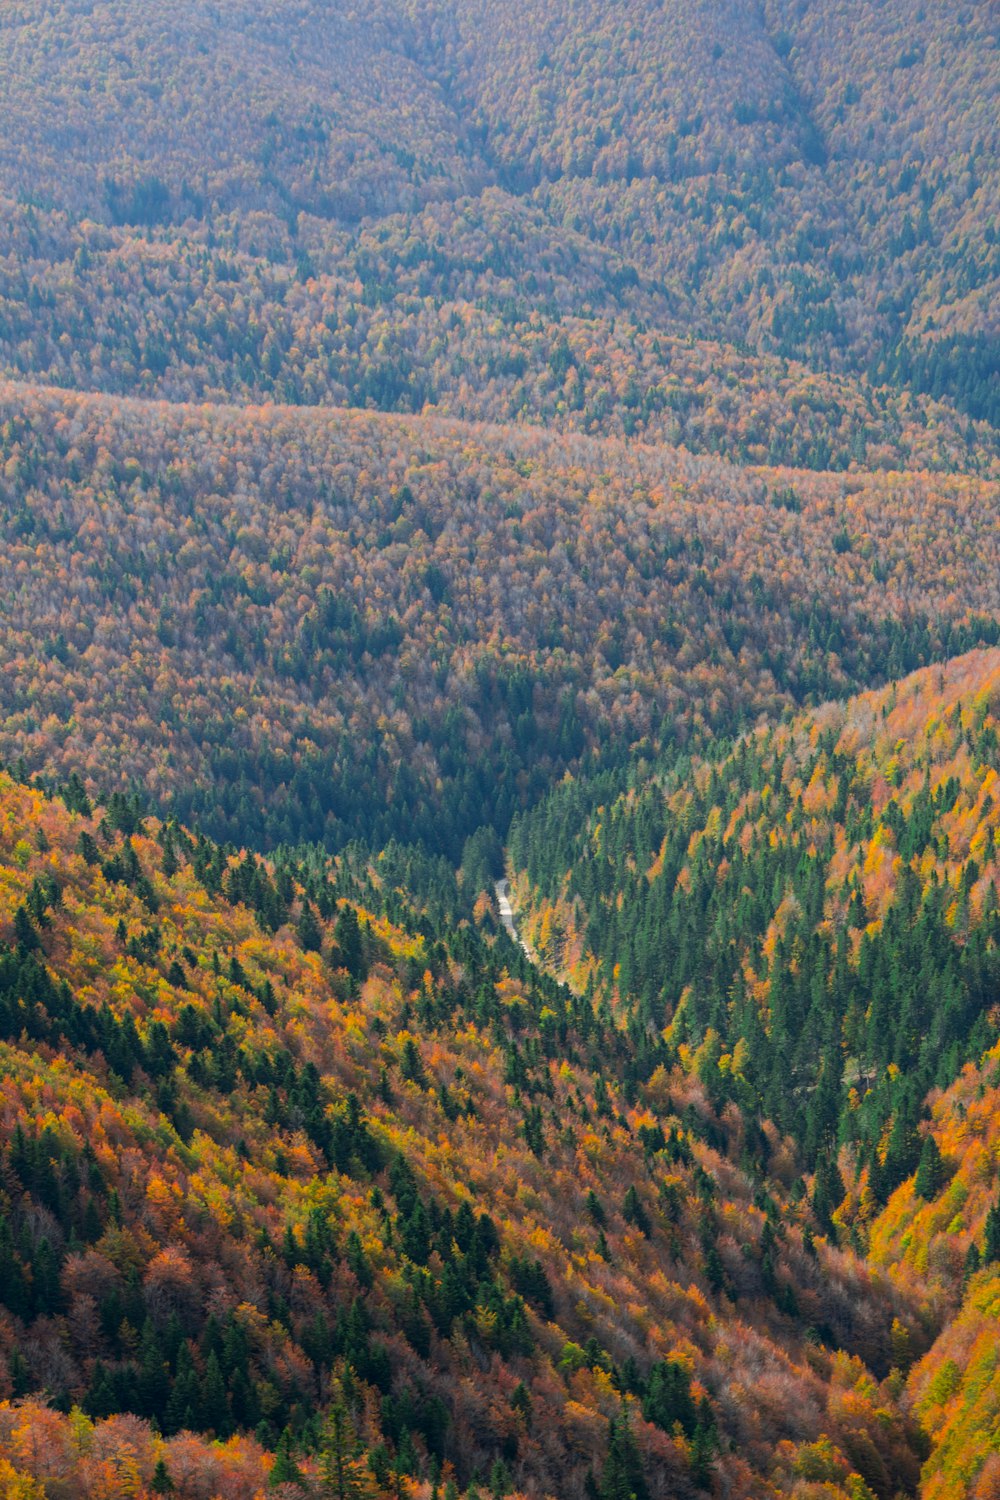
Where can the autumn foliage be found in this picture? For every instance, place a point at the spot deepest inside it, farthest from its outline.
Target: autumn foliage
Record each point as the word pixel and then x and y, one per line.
pixel 309 625
pixel 264 1150
pixel 442 437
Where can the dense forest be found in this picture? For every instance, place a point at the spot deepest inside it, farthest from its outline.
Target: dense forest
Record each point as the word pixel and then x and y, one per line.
pixel 286 1155
pixel 310 626
pixel 771 231
pixel 812 921
pixel 449 441
pixel 814 918
pixel 467 311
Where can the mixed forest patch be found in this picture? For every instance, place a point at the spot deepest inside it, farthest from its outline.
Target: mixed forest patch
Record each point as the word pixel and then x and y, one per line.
pixel 279 1143
pixel 310 626
pixel 449 439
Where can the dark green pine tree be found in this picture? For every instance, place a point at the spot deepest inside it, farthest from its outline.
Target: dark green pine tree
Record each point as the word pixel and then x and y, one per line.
pixel 284 1470
pixel 101 1399
pixel 704 1445
pixel 521 1402
pixel 310 933
pixel 595 1208
pixel 183 1405
pixel 991 1240
pixel 930 1170
pixel 500 1483
pixel 74 795
pixel 25 935
pixel 972 1262
pixel 634 1213
pixel 161 1482
pixel 87 846
pixel 668 1398
pixel 622 1477
pixel 169 864
pixel 214 1401
pixel 350 953
pixel 20 1373
pixel 154 1375
pixel 828 1188
pixel 45 1279
pixel 343 1478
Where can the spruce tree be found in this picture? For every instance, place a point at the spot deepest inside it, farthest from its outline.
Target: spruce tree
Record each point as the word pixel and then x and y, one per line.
pixel 634 1213
pixel 154 1376
pixel 704 1444
pixel 930 1170
pixel 161 1482
pixel 344 1478
pixel 284 1470
pixel 350 945
pixel 828 1188
pixel 25 935
pixel 972 1262
pixel 622 1477
pixel 310 934
pixel 214 1401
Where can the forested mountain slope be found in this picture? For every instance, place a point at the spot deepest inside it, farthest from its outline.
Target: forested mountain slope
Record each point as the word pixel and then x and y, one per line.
pixel 813 917
pixel 812 921
pixel 786 172
pixel 119 113
pixel 427 414
pixel 941 1231
pixel 295 200
pixel 265 1150
pixel 308 625
pixel 470 309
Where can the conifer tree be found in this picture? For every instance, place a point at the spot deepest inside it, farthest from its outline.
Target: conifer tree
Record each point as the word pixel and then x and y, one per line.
pixel 284 1470
pixel 309 931
pixel 930 1170
pixel 623 1477
pixel 161 1482
pixel 344 1477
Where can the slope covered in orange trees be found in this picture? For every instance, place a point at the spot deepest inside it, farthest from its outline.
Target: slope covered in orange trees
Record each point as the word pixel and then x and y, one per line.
pixel 114 116
pixel 425 419
pixel 266 1154
pixel 764 165
pixel 463 310
pixel 939 1237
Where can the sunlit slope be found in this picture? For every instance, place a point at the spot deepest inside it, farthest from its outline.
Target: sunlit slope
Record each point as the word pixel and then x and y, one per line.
pixel 939 1236
pixel 813 917
pixel 264 1150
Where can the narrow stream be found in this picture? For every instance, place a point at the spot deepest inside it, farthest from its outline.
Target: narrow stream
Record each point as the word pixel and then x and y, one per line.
pixel 507 917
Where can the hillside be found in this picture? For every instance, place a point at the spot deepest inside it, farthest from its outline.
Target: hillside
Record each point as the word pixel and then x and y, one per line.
pixel 811 920
pixel 282 107
pixel 443 440
pixel 264 1149
pixel 469 310
pixel 787 173
pixel 945 1238
pixel 296 203
pixel 312 625
pixel 812 917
